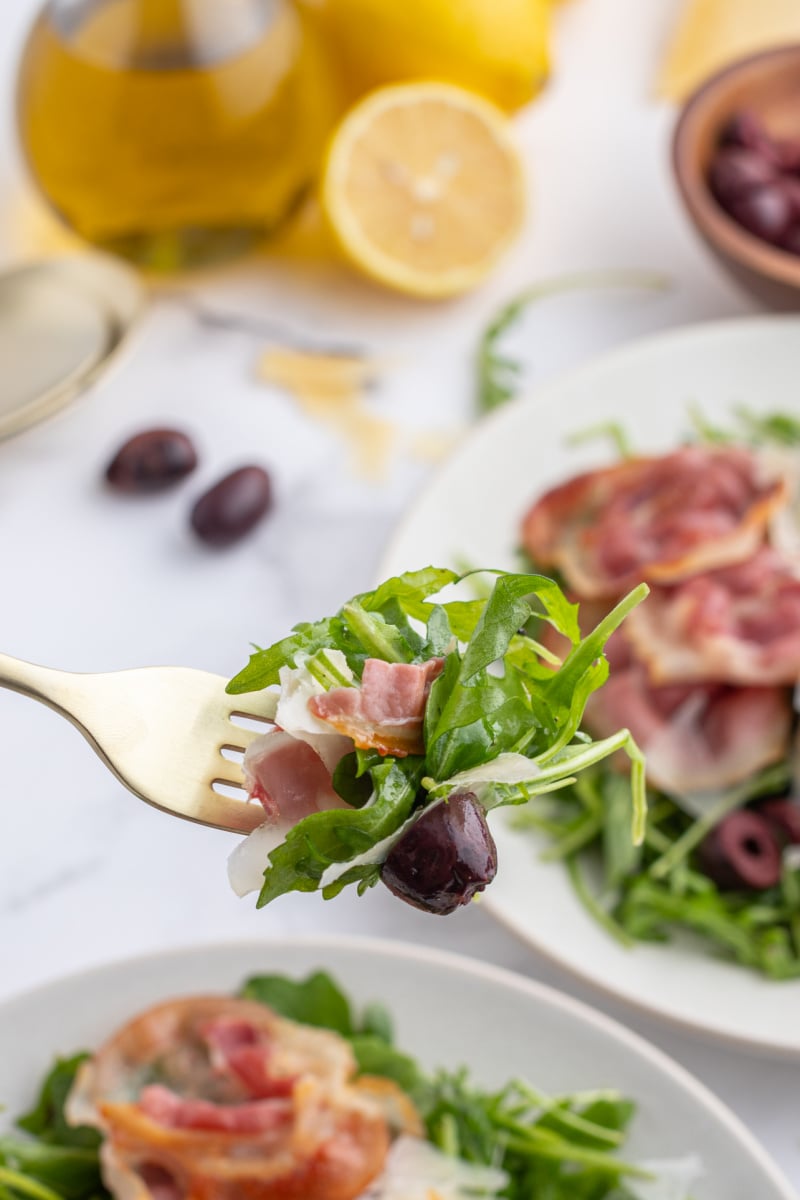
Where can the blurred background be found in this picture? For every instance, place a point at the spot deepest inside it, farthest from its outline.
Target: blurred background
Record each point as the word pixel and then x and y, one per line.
pixel 301 282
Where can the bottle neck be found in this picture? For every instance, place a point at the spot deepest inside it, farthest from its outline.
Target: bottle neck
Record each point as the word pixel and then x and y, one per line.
pixel 165 34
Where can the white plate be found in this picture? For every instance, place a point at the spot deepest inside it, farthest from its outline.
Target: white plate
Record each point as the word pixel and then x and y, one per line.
pixel 448 1011
pixel 472 512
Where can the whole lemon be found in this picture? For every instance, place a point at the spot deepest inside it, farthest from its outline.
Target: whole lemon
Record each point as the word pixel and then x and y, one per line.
pixel 498 48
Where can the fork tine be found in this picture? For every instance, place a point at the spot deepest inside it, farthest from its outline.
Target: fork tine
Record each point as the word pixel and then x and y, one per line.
pixel 233 777
pixel 223 812
pixel 239 739
pixel 255 706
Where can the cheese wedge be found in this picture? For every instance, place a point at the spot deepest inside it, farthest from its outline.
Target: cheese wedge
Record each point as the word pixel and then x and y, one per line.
pixel 713 33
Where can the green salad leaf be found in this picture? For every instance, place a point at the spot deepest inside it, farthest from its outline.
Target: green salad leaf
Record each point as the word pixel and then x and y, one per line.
pixel 499 375
pixel 652 891
pixel 46 1119
pixel 501 698
pixel 748 428
pixel 56 1161
pixel 314 1001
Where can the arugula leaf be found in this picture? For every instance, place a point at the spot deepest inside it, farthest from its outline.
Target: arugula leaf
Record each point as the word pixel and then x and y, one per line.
pixel 507 610
pixel 473 715
pixel 376 635
pixel 612 430
pixel 376 1022
pixel 584 671
pixel 317 1000
pixel 264 666
pixel 375 1057
pixel 409 590
pixel 653 890
pixel 773 427
pixel 324 839
pixel 439 632
pixel 72 1172
pixel 46 1119
pixel 757 429
pixel 499 375
pixel 57 1161
pixel 350 781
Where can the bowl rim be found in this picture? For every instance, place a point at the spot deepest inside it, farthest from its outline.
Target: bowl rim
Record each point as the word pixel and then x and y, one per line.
pixel 744 248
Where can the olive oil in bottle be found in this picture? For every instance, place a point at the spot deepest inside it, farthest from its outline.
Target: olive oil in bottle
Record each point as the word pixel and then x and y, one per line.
pixel 174 132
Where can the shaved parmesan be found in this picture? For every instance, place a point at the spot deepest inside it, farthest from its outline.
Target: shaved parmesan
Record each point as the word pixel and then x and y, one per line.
pixel 673 1179
pixel 247 862
pixel 293 714
pixel 506 768
pixel 416 1170
pixel 713 33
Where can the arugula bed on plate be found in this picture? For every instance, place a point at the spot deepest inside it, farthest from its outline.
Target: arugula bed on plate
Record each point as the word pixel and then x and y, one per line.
pixel 704 674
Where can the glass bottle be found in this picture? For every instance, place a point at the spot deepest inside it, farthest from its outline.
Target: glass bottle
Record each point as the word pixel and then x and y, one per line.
pixel 173 132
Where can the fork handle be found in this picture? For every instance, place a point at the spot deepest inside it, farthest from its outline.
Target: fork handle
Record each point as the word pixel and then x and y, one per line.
pixel 40 683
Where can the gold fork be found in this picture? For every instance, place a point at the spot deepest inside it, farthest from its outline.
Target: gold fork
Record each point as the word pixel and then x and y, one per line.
pixel 162 731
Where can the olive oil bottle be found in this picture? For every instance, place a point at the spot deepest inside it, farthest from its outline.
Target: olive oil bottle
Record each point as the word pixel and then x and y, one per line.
pixel 173 132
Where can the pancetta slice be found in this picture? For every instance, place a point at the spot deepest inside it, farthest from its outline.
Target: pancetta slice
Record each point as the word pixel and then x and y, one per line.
pixel 654 519
pixel 288 778
pixel 696 738
pixel 182 1123
pixel 738 624
pixel 386 712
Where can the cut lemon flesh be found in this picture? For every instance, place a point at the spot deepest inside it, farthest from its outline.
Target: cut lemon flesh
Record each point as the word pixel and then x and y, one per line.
pixel 424 188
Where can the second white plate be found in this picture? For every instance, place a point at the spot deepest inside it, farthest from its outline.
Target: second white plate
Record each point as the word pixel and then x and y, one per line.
pixel 472 513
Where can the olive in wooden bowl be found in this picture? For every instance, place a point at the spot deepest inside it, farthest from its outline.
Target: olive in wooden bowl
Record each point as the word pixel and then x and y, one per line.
pixel 736 156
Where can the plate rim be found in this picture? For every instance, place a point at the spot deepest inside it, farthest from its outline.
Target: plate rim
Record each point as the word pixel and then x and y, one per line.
pixel 450 961
pixel 532 399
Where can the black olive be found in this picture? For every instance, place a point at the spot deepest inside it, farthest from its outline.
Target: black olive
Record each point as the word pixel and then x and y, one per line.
pixel 233 506
pixel 791 240
pixel 734 173
pixel 784 817
pixel 742 852
pixel 446 856
pixel 152 461
pixel 767 212
pixel 788 154
pixel 745 129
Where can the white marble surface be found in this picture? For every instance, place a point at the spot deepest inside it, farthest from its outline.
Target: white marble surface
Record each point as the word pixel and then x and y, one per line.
pixel 86 873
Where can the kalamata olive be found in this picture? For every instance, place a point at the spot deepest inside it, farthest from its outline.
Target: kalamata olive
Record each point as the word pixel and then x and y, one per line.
pixel 784 817
pixel 788 154
pixel 791 241
pixel 766 212
pixel 233 506
pixel 742 852
pixel 152 461
pixel 791 186
pixel 746 129
pixel 446 856
pixel 735 172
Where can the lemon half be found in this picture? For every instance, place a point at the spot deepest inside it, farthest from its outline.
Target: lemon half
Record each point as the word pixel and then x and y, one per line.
pixel 423 188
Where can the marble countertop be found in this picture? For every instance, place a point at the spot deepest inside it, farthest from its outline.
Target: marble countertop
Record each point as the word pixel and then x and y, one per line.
pixel 89 583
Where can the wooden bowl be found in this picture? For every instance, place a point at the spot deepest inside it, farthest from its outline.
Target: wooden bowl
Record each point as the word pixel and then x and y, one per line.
pixel 769 85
